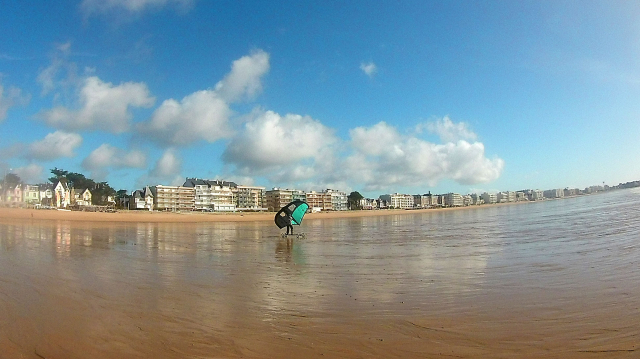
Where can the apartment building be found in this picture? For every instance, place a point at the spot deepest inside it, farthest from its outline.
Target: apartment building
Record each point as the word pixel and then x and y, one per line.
pixel 421 200
pixel 397 200
pixel 338 200
pixel 554 193
pixel 250 198
pixel 173 198
pixel 453 200
pixel 277 198
pixel 489 198
pixel 213 195
pixel 320 201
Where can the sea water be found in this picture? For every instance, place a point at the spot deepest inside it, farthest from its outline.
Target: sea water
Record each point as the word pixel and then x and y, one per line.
pixel 551 278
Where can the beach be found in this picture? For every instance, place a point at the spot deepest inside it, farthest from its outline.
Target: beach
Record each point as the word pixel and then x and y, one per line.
pixel 556 279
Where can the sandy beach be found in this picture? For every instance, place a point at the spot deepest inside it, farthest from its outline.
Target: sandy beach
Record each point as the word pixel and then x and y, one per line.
pixel 200 217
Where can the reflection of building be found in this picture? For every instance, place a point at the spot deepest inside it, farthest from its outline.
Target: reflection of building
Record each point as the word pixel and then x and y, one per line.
pixel 173 198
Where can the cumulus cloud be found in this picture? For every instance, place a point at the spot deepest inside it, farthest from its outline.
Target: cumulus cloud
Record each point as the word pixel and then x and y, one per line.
pixel 103 106
pixel 383 159
pixel 204 115
pixel 90 7
pixel 201 115
pixel 54 145
pixel 370 69
pixel 270 143
pixel 106 156
pixel 167 169
pixel 12 97
pixel 449 131
pixel 244 78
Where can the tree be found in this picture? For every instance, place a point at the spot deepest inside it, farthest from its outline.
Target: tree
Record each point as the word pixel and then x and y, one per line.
pixel 12 179
pixel 353 200
pixel 100 191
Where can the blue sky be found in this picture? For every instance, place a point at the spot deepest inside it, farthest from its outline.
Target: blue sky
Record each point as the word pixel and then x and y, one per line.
pixel 378 97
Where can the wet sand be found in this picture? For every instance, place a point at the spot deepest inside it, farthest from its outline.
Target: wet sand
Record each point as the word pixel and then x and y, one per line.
pixel 548 280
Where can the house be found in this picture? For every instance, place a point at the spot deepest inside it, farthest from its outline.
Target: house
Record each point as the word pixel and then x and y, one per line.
pixel 62 195
pixel 31 194
pixel 81 199
pixel 142 199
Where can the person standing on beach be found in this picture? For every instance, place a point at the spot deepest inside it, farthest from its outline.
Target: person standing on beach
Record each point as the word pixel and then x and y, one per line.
pixel 289 219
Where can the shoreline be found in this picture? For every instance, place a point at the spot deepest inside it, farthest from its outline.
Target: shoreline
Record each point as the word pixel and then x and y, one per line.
pixel 198 217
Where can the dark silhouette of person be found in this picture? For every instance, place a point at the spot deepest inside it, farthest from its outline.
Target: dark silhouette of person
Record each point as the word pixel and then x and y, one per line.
pixel 289 221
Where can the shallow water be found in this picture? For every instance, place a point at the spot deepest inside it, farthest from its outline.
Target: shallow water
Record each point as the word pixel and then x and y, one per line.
pixel 549 279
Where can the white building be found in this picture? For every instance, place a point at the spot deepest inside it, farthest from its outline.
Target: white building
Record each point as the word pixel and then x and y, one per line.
pixel 173 198
pixel 554 193
pixel 213 195
pixel 397 200
pixel 453 200
pixel 489 198
pixel 338 200
pixel 142 199
pixel 250 198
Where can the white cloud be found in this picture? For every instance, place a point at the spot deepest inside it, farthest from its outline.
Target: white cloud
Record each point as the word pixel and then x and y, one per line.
pixel 103 106
pixel 384 159
pixel 167 169
pixel 31 173
pixel 90 7
pixel 54 145
pixel 106 156
pixel 199 116
pixel 370 69
pixel 204 115
pixel 47 77
pixel 449 131
pixel 13 97
pixel 244 78
pixel 290 146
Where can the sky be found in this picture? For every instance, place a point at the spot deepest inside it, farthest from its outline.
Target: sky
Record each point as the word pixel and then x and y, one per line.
pixel 370 96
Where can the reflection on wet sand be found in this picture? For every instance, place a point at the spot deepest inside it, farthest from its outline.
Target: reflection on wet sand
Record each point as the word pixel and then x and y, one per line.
pixel 543 280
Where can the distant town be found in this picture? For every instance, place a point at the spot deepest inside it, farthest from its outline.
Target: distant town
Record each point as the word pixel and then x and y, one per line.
pixel 73 191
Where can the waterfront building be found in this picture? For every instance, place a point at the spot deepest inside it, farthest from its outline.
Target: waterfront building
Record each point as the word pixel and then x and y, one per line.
pixel 489 198
pixel 554 193
pixel 453 200
pixel 277 198
pixel 173 198
pixel 319 201
pixel 31 194
pixel 212 195
pixel 421 200
pixel 397 200
pixel 250 198
pixel 142 199
pixel 338 199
